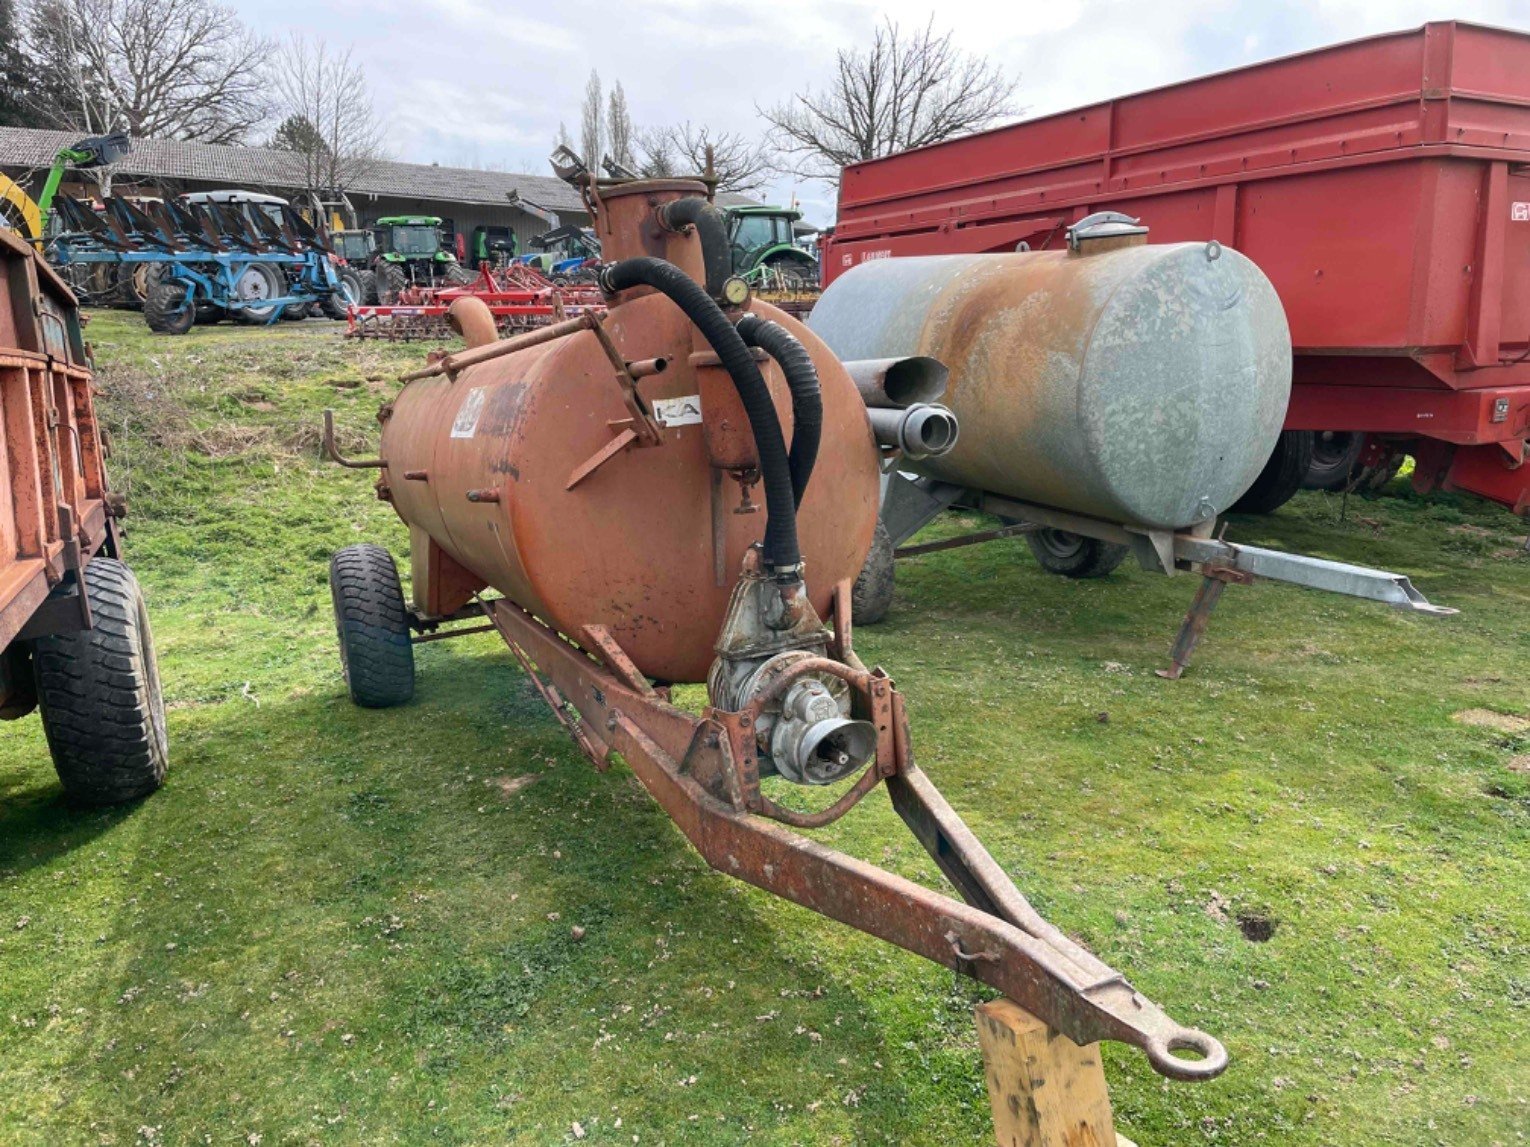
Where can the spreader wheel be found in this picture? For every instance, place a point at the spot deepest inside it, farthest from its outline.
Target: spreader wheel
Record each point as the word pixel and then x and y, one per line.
pixel 99 695
pixel 1072 555
pixel 871 596
pixel 1282 475
pixel 376 655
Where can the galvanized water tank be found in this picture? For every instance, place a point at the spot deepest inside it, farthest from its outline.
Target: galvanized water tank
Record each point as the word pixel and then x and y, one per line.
pixel 1139 384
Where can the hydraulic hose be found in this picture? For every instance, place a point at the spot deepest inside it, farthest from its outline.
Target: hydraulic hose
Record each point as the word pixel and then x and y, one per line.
pixel 807 398
pixel 782 554
pixel 711 228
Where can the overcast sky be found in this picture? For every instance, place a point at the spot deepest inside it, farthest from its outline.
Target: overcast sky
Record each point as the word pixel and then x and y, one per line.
pixel 486 82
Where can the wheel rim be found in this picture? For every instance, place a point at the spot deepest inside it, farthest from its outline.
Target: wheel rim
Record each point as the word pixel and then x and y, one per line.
pixel 254 287
pixel 1332 447
pixel 155 694
pixel 1059 543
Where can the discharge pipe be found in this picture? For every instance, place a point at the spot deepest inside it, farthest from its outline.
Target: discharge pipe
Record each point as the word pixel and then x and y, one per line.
pixel 807 398
pixel 783 557
pixel 923 431
pixel 895 383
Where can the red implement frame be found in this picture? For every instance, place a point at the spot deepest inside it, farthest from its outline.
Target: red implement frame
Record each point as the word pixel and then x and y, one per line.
pixel 520 298
pixel 705 774
pixel 53 498
pixel 1382 185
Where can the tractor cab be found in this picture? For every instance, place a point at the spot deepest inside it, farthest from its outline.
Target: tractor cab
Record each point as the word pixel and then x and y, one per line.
pixel 355 247
pixel 764 247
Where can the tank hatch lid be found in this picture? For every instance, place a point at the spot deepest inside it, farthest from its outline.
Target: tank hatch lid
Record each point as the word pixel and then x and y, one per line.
pixel 1105 231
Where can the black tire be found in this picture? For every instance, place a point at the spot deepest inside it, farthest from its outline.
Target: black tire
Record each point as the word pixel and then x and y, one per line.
pixel 274 287
pixel 208 313
pixel 99 695
pixel 164 306
pixel 791 275
pixel 391 281
pixel 351 290
pixel 1335 459
pixel 1072 555
pixel 368 288
pixel 131 281
pixel 376 655
pixel 1282 475
pixel 871 596
pixel 456 275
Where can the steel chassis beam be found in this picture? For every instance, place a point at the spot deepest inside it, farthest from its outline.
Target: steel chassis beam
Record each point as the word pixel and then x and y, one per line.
pixel 703 771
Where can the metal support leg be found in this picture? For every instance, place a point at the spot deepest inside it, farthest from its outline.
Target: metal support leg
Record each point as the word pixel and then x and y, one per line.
pixel 1193 628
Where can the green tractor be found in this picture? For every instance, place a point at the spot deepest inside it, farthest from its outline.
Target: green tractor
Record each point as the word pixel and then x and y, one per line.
pixel 765 253
pixel 410 252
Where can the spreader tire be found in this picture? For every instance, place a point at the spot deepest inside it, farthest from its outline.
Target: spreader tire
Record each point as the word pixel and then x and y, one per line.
pixel 99 695
pixel 375 652
pixel 1282 475
pixel 391 281
pixel 1071 555
pixel 164 303
pixel 871 596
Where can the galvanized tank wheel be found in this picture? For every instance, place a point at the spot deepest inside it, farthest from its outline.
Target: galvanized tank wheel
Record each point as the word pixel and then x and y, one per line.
pixel 376 654
pixel 1071 555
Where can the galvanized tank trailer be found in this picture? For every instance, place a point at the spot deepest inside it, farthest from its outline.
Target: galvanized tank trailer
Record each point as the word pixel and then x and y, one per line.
pixel 605 476
pixel 1114 399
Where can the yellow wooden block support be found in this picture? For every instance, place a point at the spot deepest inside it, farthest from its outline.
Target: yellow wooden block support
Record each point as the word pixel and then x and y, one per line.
pixel 1046 1091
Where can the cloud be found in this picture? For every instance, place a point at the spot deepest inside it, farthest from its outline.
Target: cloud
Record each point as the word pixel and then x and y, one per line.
pixel 487 81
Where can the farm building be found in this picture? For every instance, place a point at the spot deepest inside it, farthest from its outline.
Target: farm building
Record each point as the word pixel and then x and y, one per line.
pixel 467 198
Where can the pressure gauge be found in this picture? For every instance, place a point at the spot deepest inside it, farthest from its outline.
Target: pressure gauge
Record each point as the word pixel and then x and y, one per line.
pixel 735 292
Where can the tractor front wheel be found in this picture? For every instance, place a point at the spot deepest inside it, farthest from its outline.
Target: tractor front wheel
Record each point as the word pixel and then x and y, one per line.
pixel 165 309
pixel 392 280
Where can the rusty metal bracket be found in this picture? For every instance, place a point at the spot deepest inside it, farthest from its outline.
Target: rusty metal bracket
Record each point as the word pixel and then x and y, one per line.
pixel 995 937
pixel 332 452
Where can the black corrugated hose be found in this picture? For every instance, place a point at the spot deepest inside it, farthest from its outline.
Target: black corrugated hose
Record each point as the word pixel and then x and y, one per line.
pixel 807 398
pixel 782 555
pixel 711 229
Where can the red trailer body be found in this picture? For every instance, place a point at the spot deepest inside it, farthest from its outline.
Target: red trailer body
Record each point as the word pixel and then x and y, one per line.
pixel 1382 185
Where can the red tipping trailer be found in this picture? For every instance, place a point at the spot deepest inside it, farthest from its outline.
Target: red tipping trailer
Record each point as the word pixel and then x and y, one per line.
pixel 1383 186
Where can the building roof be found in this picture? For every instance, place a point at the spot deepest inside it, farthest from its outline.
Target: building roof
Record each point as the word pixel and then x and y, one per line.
pixel 268 167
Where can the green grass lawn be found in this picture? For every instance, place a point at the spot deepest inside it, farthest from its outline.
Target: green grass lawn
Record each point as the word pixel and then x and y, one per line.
pixel 335 925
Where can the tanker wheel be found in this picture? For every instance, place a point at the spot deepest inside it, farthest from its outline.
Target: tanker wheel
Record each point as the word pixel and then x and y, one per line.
pixel 99 695
pixel 871 596
pixel 1282 475
pixel 165 309
pixel 1335 460
pixel 1071 555
pixel 392 279
pixel 376 655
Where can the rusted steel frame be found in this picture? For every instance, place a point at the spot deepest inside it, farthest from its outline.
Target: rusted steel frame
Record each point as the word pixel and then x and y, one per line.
pixel 967 540
pixel 1017 952
pixel 643 425
pixel 453 364
pixel 333 452
pixel 448 634
pixel 615 658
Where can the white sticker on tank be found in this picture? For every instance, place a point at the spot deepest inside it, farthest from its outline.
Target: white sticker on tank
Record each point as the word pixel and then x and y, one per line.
pixel 682 411
pixel 467 414
pixel 1520 212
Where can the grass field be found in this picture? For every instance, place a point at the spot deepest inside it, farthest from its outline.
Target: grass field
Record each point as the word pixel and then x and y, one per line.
pixel 337 926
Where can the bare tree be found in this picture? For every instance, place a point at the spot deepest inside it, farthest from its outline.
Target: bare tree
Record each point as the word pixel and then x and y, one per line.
pixel 168 69
pixel 329 120
pixel 563 139
pixel 900 92
pixel 592 123
pixel 619 130
pixel 738 163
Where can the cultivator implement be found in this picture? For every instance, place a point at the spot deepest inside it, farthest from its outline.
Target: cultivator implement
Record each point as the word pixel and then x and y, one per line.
pixel 519 297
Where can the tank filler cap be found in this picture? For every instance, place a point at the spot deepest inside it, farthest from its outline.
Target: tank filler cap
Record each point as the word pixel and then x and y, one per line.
pixel 1105 225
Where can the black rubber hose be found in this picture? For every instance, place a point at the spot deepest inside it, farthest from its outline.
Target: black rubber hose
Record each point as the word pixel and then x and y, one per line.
pixel 782 554
pixel 711 228
pixel 807 397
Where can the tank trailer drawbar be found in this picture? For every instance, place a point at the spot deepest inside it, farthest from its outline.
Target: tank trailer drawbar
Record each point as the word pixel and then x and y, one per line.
pixel 616 496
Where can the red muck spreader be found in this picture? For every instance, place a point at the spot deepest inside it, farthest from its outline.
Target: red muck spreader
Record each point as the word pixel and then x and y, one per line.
pixel 1383 186
pixel 624 486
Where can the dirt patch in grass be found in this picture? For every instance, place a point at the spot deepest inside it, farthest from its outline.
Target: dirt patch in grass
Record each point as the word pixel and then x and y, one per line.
pixel 1489 719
